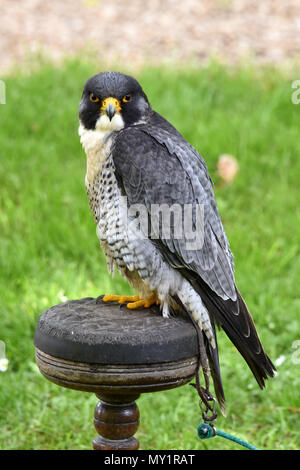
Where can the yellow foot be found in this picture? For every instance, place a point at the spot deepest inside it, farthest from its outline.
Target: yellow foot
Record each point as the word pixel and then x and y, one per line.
pixel 134 300
pixel 122 299
pixel 143 302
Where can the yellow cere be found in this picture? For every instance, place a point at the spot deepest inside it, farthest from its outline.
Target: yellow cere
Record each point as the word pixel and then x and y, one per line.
pixel 113 101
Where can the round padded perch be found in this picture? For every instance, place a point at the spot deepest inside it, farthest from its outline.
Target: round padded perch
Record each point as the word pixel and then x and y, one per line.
pixel 118 354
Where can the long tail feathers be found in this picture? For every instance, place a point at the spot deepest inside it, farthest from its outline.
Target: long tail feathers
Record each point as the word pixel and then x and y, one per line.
pixel 249 345
pixel 237 323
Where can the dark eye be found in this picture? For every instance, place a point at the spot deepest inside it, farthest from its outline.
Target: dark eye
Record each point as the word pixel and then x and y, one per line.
pixel 127 98
pixel 94 98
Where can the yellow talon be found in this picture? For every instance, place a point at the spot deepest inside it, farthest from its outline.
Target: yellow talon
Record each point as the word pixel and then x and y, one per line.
pixel 143 303
pixel 122 299
pixel 134 300
pixel 128 298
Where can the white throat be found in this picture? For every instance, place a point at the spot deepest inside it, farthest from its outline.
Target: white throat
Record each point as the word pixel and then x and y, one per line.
pixel 96 142
pixel 104 124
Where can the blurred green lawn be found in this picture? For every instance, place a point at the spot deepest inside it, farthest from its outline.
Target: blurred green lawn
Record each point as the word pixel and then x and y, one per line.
pixel 49 250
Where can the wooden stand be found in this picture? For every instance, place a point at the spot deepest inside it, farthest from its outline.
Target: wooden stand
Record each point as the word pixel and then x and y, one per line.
pixel 118 354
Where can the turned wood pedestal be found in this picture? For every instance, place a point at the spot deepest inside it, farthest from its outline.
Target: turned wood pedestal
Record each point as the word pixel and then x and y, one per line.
pixel 117 354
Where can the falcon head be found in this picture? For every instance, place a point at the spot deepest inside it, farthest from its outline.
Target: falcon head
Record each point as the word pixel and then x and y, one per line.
pixel 111 101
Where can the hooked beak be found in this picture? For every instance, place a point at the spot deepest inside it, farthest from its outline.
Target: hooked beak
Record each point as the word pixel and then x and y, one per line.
pixel 110 106
pixel 110 111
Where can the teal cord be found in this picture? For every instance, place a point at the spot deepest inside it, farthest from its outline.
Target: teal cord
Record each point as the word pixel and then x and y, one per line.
pixel 206 430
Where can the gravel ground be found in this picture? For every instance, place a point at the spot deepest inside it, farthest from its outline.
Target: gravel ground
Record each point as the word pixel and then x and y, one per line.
pixel 154 31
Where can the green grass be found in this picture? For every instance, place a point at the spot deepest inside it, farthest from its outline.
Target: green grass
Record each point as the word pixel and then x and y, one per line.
pixel 49 249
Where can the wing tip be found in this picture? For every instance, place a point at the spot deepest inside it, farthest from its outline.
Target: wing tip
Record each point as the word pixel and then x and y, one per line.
pixel 260 364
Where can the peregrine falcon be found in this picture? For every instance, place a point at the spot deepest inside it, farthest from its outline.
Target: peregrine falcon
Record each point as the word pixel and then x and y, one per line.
pixel 137 159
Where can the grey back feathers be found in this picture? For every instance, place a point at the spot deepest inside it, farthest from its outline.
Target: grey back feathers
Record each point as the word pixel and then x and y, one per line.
pixel 165 169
